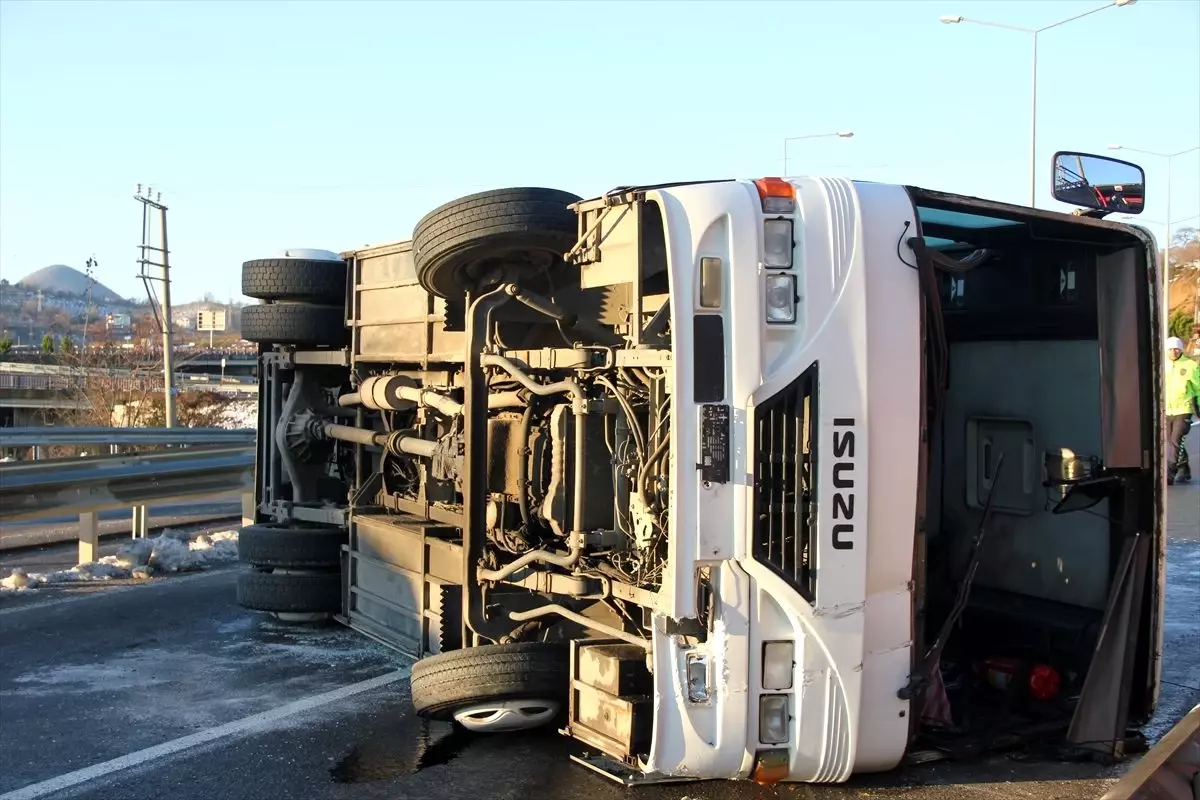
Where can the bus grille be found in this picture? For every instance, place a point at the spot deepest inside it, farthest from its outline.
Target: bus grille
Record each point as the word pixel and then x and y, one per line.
pixel 785 507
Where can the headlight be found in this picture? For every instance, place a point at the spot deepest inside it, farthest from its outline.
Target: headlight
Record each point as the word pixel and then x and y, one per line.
pixel 778 243
pixel 710 282
pixel 778 658
pixel 697 678
pixel 781 298
pixel 773 719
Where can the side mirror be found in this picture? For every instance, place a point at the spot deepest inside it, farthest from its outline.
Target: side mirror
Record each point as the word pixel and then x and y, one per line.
pixel 1100 183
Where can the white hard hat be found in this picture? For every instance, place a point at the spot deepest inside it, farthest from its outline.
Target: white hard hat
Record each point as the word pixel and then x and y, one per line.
pixel 1174 343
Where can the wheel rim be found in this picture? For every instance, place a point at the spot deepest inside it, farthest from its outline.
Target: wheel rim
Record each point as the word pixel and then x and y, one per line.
pixel 507 715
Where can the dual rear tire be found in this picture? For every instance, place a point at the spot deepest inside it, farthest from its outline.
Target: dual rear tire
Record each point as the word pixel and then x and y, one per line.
pixel 295 569
pixel 305 302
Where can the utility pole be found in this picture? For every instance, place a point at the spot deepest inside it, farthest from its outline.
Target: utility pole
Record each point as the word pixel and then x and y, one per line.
pixel 87 306
pixel 162 310
pixel 1033 100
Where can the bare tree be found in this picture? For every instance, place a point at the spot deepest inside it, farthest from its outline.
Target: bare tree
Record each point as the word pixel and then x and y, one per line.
pixel 1183 273
pixel 119 387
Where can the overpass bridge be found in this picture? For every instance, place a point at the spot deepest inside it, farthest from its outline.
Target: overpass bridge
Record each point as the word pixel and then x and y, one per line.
pixel 238 363
pixel 24 396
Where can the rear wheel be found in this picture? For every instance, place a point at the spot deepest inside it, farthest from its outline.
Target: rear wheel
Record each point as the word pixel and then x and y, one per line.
pixel 297 279
pixel 295 324
pixel 494 688
pixel 491 237
pixel 291 592
pixel 273 544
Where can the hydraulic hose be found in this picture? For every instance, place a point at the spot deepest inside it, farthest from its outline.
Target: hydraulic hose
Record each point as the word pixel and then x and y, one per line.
pixel 567 320
pixel 568 386
pixel 568 559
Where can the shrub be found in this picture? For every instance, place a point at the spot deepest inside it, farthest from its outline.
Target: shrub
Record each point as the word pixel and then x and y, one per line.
pixel 1180 324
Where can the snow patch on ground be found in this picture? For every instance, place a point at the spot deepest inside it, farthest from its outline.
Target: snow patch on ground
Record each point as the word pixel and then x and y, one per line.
pixel 239 414
pixel 140 558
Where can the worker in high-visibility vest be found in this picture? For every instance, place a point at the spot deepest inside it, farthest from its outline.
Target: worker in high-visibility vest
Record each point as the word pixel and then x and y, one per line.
pixel 1183 402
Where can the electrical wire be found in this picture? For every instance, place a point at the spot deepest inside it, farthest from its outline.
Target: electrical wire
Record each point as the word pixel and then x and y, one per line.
pixel 635 427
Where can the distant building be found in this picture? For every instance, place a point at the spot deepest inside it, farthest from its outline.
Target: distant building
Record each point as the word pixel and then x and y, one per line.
pixel 118 322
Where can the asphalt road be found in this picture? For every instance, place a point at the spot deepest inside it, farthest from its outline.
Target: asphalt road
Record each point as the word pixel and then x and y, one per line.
pixel 167 688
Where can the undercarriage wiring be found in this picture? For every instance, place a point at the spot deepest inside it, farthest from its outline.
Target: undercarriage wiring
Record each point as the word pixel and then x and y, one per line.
pixel 565 471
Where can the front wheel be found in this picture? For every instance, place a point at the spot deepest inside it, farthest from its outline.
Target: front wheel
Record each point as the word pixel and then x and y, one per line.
pixel 494 688
pixel 484 239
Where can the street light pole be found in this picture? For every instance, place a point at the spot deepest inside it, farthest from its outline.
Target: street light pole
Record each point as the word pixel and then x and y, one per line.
pixel 1033 127
pixel 1033 32
pixel 1165 282
pixel 839 135
pixel 1169 158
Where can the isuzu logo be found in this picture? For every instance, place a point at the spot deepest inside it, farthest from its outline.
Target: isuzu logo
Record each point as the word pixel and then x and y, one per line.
pixel 843 483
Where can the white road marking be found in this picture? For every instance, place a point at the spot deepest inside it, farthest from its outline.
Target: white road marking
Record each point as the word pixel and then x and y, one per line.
pixel 256 722
pixel 172 580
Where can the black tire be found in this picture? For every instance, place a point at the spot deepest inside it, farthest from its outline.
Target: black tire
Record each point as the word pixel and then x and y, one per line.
pixel 291 545
pixel 285 592
pixel 444 683
pixel 302 325
pixel 300 279
pixel 514 233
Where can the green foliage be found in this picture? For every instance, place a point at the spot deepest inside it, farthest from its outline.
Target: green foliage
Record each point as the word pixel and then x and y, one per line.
pixel 6 345
pixel 1180 324
pixel 66 346
pixel 48 344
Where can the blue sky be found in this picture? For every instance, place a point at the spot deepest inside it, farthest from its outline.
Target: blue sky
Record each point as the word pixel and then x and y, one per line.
pixel 333 125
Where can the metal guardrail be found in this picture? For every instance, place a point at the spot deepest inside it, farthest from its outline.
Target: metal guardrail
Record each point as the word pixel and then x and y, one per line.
pixel 64 383
pixel 32 489
pixel 86 486
pixel 214 462
pixel 57 382
pixel 52 436
pixel 10 368
pixel 38 382
pixel 182 355
pixel 58 369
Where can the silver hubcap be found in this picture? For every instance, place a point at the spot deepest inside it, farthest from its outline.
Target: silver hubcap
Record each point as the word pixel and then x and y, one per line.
pixel 507 715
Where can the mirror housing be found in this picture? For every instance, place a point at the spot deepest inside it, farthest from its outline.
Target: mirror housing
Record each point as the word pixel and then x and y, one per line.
pixel 1104 184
